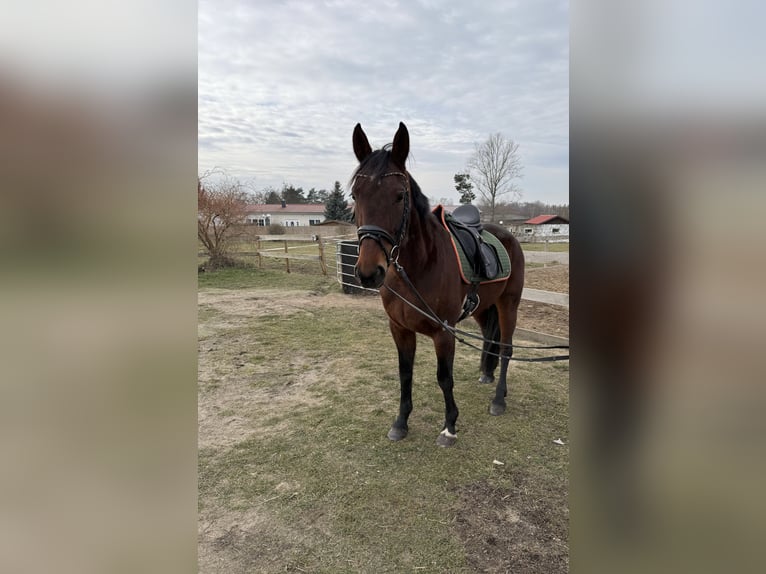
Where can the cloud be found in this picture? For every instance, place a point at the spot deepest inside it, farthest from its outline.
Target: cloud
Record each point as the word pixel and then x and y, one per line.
pixel 283 83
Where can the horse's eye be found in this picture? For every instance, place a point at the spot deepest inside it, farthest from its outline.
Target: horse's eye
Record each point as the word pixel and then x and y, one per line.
pixel 400 197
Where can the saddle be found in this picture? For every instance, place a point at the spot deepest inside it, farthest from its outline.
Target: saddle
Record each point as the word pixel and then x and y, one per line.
pixel 465 225
pixel 481 256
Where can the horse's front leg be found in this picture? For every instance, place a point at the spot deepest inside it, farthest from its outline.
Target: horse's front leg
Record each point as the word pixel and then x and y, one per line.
pixel 406 343
pixel 444 343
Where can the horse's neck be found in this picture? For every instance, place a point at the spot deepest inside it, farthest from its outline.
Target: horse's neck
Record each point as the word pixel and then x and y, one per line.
pixel 421 242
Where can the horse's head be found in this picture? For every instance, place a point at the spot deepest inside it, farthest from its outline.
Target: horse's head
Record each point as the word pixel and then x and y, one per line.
pixel 381 193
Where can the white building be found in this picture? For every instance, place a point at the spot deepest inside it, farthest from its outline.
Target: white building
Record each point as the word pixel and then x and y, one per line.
pixel 543 228
pixel 299 215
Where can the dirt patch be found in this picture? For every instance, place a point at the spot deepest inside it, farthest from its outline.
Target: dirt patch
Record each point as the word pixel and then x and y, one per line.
pixel 231 406
pixel 248 303
pixel 237 384
pixel 550 278
pixel 250 541
pixel 505 530
pixel 541 317
pixel 544 318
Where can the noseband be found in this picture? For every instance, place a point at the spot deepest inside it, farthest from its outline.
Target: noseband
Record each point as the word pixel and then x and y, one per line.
pixel 377 234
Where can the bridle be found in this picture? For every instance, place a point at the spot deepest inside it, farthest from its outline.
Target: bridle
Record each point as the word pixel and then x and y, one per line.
pixel 377 234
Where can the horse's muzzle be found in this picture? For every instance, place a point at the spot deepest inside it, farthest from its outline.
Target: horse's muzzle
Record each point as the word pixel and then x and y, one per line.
pixel 373 281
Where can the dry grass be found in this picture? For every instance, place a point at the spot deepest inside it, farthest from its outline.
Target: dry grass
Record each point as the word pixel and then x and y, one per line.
pixel 298 387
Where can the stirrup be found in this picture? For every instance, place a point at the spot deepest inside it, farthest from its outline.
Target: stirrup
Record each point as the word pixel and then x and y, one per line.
pixel 470 304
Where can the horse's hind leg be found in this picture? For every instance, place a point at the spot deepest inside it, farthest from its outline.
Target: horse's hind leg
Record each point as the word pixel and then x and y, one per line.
pixel 490 329
pixel 444 343
pixel 507 312
pixel 497 406
pixel 406 343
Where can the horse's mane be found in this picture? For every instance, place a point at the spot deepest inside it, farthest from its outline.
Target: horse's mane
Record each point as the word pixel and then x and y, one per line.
pixel 375 165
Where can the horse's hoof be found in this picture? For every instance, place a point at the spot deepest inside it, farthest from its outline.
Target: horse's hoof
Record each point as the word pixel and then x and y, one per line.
pixel 396 434
pixel 496 410
pixel 446 439
pixel 486 379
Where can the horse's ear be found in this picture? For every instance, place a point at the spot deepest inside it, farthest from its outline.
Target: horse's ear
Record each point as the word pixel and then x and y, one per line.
pixel 401 147
pixel 361 146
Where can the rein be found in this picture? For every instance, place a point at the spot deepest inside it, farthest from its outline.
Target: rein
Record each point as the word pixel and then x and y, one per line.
pixel 454 331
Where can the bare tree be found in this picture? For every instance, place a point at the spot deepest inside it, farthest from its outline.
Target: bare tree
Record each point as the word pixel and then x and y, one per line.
pixel 221 209
pixel 494 167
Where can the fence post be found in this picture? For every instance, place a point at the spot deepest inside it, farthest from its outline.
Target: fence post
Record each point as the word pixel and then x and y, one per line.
pixel 287 259
pixel 258 249
pixel 321 256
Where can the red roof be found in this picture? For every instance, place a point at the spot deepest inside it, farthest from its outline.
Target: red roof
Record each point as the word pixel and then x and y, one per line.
pixel 274 208
pixel 540 219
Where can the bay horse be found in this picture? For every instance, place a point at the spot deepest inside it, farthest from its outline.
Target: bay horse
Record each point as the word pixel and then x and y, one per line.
pixel 406 252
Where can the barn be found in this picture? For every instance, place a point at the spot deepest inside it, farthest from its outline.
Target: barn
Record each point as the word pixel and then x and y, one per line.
pixel 553 228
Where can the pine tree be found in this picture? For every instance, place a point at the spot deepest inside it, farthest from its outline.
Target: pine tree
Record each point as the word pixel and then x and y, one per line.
pixel 464 186
pixel 336 207
pixel 271 196
pixel 292 194
pixel 312 196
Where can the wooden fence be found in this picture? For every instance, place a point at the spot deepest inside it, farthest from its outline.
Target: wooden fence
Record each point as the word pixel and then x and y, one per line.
pixel 285 246
pixel 283 250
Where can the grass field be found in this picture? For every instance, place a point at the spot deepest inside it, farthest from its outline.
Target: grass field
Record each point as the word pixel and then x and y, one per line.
pixel 550 247
pixel 298 386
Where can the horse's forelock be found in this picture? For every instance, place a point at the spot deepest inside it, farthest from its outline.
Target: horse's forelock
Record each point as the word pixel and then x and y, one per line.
pixel 375 166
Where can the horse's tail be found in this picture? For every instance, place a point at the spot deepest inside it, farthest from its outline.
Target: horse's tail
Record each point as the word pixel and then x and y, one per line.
pixel 492 325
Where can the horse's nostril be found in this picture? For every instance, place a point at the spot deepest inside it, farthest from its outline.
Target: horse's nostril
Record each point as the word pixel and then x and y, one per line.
pixel 374 279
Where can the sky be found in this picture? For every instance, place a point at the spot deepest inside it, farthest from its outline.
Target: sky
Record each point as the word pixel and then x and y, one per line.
pixel 283 83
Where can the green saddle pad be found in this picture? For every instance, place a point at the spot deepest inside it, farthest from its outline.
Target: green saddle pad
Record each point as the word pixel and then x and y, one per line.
pixel 467 272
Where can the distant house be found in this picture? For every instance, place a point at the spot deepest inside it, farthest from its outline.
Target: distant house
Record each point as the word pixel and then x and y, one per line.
pixel 543 228
pixel 298 215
